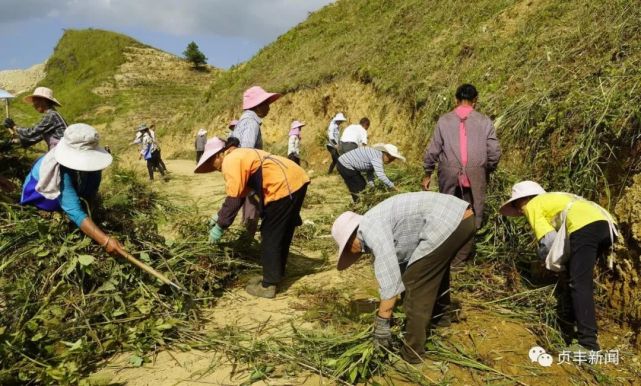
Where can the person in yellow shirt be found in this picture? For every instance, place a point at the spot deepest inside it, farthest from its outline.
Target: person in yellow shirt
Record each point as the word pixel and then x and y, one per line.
pixel 280 185
pixel 591 232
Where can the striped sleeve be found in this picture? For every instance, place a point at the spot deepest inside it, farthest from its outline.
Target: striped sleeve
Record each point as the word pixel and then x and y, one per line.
pixel 369 160
pixel 247 133
pixel 377 165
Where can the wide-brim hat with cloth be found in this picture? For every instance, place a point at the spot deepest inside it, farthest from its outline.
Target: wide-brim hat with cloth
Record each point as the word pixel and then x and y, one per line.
pixel 342 230
pixel 520 190
pixel 77 150
pixel 389 149
pixel 295 127
pixel 255 96
pixel 233 124
pixel 202 131
pixel 42 92
pixel 142 127
pixel 212 147
pixel 339 118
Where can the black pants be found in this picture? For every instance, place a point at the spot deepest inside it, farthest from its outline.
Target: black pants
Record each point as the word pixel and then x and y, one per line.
pixel 161 164
pixel 353 179
pixel 154 162
pixel 294 157
pixel 347 146
pixel 424 280
pixel 199 154
pixel 334 154
pixel 575 290
pixel 280 219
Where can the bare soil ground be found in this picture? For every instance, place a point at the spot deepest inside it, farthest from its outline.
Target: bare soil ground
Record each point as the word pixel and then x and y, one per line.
pixel 500 342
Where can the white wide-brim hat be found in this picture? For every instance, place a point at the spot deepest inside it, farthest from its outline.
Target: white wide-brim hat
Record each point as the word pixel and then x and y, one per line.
pixel 342 230
pixel 389 149
pixel 212 147
pixel 78 149
pixel 42 92
pixel 339 117
pixel 520 190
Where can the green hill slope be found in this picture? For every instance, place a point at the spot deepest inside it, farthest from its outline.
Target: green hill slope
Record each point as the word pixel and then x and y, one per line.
pixel 561 79
pixel 115 83
pixel 542 66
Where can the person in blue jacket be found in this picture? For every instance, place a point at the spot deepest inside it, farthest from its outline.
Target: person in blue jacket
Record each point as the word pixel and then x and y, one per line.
pixel 69 174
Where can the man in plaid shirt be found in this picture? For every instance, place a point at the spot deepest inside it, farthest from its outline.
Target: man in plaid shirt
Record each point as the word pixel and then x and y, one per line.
pixel 413 238
pixel 50 129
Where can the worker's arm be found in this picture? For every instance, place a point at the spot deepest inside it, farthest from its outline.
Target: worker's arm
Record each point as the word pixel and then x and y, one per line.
pixel 111 245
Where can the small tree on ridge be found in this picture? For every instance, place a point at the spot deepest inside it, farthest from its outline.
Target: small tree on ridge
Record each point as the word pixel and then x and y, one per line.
pixel 193 55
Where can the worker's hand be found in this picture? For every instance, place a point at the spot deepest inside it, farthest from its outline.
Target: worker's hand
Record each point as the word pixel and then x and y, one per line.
pixel 9 123
pixel 382 332
pixel 213 220
pixel 426 182
pixel 215 234
pixel 113 247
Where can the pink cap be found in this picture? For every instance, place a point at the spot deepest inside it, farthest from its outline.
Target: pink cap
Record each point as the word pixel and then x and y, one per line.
pixel 296 124
pixel 255 95
pixel 212 147
pixel 343 228
pixel 233 123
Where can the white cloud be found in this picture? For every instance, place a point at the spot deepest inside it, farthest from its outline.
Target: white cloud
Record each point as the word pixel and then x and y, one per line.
pixel 254 19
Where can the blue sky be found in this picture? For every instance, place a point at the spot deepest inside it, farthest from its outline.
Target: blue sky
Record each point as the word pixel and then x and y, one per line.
pixel 227 31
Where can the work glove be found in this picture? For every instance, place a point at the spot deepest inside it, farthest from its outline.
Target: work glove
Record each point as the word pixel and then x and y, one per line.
pixel 215 234
pixel 9 123
pixel 213 220
pixel 382 332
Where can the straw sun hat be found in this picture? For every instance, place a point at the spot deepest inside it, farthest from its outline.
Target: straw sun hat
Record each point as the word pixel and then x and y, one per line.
pixel 389 149
pixel 79 150
pixel 42 92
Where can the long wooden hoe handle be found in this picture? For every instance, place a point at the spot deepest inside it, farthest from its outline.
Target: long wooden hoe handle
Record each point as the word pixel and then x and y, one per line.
pixel 148 269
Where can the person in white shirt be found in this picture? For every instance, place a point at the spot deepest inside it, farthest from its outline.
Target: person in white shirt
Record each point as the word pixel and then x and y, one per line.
pixel 333 136
pixel 354 136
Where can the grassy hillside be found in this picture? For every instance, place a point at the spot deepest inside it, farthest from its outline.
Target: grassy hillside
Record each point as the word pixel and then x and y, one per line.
pixel 561 80
pixel 81 61
pixel 544 68
pixel 115 82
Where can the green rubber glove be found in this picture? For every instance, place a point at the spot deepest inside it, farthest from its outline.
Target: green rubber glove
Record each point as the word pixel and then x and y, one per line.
pixel 215 234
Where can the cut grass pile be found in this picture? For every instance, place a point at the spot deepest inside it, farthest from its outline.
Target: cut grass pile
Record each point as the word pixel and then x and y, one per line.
pixel 66 305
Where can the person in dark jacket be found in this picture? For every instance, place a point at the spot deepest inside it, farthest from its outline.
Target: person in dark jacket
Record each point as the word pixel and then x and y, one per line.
pixel 465 148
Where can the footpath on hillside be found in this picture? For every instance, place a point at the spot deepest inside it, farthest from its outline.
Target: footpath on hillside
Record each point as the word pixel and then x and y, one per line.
pixel 490 347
